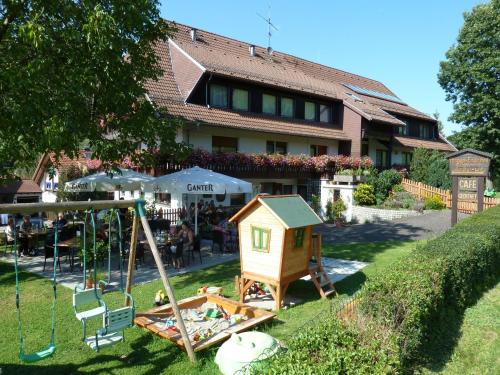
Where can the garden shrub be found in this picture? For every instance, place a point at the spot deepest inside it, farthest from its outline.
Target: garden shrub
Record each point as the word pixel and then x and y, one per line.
pixel 330 216
pixel 331 347
pixel 338 208
pixel 364 195
pixel 398 189
pixel 434 203
pixel 440 278
pixel 383 183
pixel 400 200
pixel 430 167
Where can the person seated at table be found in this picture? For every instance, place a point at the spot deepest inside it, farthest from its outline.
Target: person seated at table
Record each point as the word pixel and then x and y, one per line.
pixel 10 231
pixel 60 221
pixel 24 234
pixel 185 240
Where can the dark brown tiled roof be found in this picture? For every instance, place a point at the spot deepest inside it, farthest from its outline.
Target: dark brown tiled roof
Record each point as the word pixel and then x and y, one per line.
pixel 21 187
pixel 441 145
pixel 228 57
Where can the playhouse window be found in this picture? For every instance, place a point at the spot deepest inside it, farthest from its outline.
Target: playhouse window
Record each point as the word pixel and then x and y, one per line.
pixel 299 237
pixel 260 239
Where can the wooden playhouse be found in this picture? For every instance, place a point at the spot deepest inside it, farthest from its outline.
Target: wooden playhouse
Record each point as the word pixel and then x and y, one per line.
pixel 277 245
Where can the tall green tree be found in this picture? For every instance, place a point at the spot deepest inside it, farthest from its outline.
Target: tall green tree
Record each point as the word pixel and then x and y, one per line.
pixel 75 71
pixel 470 76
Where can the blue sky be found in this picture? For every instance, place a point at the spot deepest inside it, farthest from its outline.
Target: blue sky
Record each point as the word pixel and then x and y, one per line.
pixel 398 42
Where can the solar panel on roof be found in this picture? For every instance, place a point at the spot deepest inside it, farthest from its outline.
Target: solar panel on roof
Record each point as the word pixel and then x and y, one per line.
pixel 376 94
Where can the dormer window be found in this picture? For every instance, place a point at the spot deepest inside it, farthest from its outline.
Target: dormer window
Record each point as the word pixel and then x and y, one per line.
pixel 286 107
pixel 240 100
pixel 325 113
pixel 269 104
pixel 218 96
pixel 310 111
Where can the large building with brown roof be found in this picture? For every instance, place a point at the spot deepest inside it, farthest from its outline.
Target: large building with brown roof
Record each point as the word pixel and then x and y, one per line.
pixel 235 96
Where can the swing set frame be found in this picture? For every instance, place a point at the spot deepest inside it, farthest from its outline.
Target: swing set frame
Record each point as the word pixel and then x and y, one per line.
pixel 139 219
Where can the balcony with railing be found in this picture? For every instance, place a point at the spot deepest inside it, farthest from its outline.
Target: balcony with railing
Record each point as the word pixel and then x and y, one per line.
pixel 265 165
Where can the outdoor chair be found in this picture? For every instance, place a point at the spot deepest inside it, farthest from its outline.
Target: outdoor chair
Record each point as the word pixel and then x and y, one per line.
pixel 48 250
pixel 7 245
pixel 196 247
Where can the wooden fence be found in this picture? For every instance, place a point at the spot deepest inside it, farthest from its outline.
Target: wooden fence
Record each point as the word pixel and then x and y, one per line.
pixel 422 191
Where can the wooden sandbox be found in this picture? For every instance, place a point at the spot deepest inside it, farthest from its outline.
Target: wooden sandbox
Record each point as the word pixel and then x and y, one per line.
pixel 255 316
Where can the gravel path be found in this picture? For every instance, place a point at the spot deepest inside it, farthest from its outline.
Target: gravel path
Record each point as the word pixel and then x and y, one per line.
pixel 427 225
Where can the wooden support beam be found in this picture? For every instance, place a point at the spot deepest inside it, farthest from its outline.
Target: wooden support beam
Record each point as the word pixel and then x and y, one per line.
pixel 168 287
pixel 131 257
pixel 30 208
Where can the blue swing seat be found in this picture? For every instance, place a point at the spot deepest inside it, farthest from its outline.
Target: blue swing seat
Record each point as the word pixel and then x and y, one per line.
pixel 38 356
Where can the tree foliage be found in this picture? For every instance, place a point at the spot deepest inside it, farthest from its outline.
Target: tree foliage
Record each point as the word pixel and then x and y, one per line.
pixel 430 167
pixel 75 71
pixel 470 77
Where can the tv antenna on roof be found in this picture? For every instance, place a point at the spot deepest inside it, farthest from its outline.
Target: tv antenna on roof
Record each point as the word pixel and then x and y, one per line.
pixel 269 26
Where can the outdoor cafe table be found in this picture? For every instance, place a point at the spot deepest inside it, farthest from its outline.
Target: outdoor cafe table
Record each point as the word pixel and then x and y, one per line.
pixel 70 247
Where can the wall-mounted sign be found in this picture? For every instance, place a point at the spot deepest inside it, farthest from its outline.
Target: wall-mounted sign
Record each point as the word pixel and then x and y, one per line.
pixel 468 168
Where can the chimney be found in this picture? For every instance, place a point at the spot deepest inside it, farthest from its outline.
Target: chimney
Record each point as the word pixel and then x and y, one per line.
pixel 251 48
pixel 269 51
pixel 193 34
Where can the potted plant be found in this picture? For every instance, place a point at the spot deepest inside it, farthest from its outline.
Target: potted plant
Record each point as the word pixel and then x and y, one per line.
pixel 338 211
pixel 101 252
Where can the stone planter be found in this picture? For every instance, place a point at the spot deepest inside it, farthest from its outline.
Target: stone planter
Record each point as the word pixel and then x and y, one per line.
pixel 348 179
pixel 363 214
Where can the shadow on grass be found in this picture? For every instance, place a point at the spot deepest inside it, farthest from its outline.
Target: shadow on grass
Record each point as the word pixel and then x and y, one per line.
pixel 8 276
pixel 147 360
pixel 446 333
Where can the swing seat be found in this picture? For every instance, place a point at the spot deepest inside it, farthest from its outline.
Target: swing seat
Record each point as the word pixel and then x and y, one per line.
pixel 38 356
pixel 84 315
pixel 114 323
pixel 86 297
pixel 102 341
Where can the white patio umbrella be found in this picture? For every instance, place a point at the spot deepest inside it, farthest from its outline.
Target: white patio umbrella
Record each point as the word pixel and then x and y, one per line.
pixel 198 181
pixel 124 180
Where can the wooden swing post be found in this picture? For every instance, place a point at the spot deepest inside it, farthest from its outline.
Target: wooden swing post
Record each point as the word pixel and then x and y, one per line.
pixel 131 257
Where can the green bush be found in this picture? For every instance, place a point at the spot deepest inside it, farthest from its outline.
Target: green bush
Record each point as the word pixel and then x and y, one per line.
pixel 431 168
pixel 334 209
pixel 398 189
pixel 416 297
pixel 434 203
pixel 338 208
pixel 364 195
pixel 384 182
pixel 400 200
pixel 330 347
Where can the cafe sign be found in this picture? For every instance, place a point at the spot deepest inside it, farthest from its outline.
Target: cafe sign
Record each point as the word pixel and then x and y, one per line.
pixel 469 164
pixel 468 169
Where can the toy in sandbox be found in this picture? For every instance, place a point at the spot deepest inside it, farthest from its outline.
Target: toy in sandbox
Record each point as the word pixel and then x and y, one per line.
pixel 277 245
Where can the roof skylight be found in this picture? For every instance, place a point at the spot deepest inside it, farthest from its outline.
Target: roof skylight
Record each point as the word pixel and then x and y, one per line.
pixel 376 94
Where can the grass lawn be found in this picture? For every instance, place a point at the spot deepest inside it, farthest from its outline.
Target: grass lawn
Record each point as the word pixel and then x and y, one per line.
pixel 143 353
pixel 478 347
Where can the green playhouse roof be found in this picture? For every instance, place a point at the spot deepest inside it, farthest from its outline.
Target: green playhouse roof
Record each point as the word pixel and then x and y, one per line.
pixel 291 210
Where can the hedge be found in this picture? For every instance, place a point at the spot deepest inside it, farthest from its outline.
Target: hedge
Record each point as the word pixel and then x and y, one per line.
pixel 331 347
pixel 399 310
pixel 442 277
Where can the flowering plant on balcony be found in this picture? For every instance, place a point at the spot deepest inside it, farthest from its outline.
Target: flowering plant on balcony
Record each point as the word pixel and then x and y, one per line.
pixel 320 163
